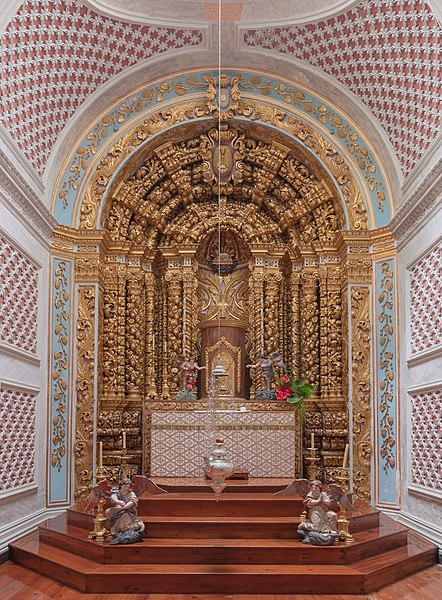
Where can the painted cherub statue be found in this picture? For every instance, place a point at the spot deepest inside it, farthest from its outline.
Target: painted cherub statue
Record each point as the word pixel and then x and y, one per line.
pixel 187 368
pixel 122 500
pixel 320 525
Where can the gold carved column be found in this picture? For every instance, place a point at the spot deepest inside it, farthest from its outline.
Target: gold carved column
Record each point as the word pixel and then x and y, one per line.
pixel 295 319
pixel 113 335
pixel 357 265
pixel 257 313
pixel 173 331
pixel 189 305
pixel 310 328
pixel 331 337
pixel 151 343
pixel 135 320
pixel 272 315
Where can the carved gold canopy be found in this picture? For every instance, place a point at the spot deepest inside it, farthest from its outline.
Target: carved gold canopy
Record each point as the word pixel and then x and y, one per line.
pixel 272 192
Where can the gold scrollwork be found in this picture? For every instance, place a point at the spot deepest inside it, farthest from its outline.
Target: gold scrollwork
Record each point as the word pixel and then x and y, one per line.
pixel 60 365
pixel 360 366
pixel 386 357
pixel 85 391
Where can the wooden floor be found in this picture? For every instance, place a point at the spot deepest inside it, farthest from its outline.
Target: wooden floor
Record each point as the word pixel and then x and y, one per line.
pixel 18 583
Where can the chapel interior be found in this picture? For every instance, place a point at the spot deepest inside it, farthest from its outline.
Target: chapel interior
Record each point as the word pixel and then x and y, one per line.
pixel 191 188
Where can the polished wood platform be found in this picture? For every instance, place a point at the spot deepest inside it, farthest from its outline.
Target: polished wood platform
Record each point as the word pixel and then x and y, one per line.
pixel 246 542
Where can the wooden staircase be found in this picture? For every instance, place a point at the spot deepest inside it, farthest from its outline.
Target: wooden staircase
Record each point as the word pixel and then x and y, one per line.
pixel 244 544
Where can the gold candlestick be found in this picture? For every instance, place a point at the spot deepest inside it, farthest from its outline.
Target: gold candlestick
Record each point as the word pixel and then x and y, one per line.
pixel 99 533
pixel 313 460
pixel 344 534
pixel 124 471
pixel 100 472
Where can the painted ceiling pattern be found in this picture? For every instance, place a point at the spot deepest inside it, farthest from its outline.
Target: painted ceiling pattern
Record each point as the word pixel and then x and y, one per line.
pixel 55 54
pixel 388 53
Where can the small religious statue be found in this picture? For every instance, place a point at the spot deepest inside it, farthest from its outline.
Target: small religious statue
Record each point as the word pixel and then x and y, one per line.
pixel 121 513
pixel 267 365
pixel 319 526
pixel 187 369
pixel 122 519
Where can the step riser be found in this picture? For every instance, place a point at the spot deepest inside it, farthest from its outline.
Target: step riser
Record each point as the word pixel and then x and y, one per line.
pixel 231 530
pixel 67 576
pixel 221 584
pixel 214 555
pixel 387 575
pixel 193 583
pixel 229 489
pixel 215 583
pixel 223 508
pixel 220 530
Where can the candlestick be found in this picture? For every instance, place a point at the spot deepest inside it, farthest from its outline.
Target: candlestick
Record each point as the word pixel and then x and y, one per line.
pixel 100 454
pixel 344 463
pixel 124 439
pixel 344 534
pixel 313 459
pixel 312 440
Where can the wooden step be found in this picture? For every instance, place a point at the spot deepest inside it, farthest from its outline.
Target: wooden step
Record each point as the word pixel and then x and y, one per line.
pixel 246 542
pixel 279 527
pixel 197 485
pixel 58 533
pixel 91 577
pixel 386 567
pixel 233 504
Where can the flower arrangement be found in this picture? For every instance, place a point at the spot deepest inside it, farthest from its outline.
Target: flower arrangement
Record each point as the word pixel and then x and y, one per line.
pixel 294 391
pixel 190 383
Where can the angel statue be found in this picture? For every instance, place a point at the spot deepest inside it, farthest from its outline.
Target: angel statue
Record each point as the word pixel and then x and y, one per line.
pixel 268 364
pixel 122 516
pixel 320 526
pixel 186 368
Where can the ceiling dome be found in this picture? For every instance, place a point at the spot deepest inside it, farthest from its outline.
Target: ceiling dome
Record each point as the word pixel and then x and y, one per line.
pixel 259 12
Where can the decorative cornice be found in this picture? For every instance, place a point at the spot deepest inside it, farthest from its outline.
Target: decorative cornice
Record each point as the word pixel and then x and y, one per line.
pixel 19 160
pixel 13 352
pixel 22 200
pixel 419 206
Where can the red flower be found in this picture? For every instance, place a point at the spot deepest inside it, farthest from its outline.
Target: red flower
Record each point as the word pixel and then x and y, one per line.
pixel 283 392
pixel 285 379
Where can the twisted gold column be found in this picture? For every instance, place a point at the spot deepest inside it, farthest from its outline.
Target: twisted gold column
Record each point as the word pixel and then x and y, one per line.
pixel 135 336
pixel 310 329
pixel 295 323
pixel 151 342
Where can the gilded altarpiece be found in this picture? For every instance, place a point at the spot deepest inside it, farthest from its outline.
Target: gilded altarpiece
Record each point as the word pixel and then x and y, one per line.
pixel 280 279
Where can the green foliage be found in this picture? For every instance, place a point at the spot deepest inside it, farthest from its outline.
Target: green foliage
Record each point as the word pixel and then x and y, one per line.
pixel 295 391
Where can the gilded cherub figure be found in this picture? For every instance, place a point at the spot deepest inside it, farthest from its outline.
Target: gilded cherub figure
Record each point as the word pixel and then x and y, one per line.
pixel 122 500
pixel 320 525
pixel 187 369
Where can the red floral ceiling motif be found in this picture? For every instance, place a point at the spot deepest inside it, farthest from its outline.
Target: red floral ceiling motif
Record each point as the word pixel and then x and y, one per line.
pixel 388 53
pixel 55 54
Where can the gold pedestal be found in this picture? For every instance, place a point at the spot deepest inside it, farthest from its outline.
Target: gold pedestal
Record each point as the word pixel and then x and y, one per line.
pixel 344 534
pixel 313 460
pixel 99 533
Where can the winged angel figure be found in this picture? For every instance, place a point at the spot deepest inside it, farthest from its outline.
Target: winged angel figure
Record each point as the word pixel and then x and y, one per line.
pixel 122 516
pixel 320 526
